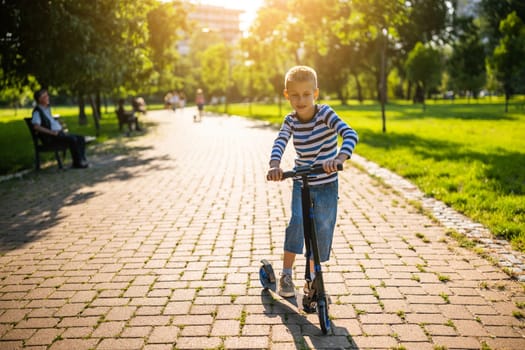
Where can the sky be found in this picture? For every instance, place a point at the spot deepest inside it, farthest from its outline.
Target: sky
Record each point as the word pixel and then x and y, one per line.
pixel 249 6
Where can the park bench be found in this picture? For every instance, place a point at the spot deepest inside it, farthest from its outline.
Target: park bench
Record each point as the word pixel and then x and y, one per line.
pixel 40 146
pixel 126 118
pixel 130 118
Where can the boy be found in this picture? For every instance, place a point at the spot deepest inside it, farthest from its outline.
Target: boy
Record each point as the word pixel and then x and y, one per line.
pixel 314 129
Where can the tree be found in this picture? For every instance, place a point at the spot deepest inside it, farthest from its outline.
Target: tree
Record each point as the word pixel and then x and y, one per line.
pixel 376 21
pixel 423 66
pixel 491 13
pixel 328 47
pixel 76 46
pixel 200 40
pixel 164 22
pixel 271 48
pixel 466 64
pixel 508 56
pixel 88 48
pixel 215 69
pixel 428 21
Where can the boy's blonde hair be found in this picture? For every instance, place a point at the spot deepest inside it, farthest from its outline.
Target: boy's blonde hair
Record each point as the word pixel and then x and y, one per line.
pixel 300 74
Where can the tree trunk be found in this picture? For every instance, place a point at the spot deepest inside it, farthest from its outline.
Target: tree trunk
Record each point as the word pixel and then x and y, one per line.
pixel 423 96
pixel 280 105
pixel 98 102
pixel 383 83
pixel 358 87
pixel 341 97
pixel 409 90
pixel 82 119
pixel 96 116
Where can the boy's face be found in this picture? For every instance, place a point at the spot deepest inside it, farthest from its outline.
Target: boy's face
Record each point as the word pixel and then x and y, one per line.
pixel 302 96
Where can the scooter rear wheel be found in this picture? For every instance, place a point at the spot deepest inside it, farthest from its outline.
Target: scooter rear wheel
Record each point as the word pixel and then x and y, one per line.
pixel 266 275
pixel 324 320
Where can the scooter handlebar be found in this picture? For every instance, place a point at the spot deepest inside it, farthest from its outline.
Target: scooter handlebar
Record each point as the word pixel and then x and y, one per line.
pixel 307 170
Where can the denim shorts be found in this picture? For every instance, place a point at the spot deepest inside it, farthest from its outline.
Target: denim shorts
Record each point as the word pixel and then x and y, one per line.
pixel 324 198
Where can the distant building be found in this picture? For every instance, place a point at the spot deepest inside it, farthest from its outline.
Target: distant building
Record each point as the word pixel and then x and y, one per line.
pixel 221 20
pixel 218 19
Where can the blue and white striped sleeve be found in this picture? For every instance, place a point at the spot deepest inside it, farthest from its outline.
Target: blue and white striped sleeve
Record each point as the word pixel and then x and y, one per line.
pixel 349 135
pixel 284 135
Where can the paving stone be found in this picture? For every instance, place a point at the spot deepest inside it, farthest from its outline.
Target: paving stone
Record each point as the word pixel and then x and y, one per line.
pixel 44 337
pixel 77 344
pixel 121 344
pixel 166 334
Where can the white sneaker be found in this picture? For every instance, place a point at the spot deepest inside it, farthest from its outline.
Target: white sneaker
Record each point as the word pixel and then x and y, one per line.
pixel 286 287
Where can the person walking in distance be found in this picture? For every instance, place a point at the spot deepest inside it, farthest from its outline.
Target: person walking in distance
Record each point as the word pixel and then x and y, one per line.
pixel 199 101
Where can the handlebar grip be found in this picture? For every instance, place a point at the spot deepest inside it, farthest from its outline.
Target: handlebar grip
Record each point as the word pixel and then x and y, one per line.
pixel 316 169
pixel 288 174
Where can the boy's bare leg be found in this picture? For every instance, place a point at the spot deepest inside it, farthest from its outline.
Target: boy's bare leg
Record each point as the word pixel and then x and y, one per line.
pixel 288 260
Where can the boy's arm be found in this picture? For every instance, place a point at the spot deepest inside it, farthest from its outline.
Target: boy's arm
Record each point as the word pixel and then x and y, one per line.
pixel 275 173
pixel 350 139
pixel 342 157
pixel 349 136
pixel 275 164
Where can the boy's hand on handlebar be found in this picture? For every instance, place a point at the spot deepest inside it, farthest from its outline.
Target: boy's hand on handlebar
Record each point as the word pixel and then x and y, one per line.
pixel 275 174
pixel 330 166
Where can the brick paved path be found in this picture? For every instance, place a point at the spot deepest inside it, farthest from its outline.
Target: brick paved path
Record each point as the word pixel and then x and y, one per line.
pixel 157 246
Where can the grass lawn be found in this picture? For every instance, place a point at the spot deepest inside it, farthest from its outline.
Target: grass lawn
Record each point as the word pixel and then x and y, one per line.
pixel 471 155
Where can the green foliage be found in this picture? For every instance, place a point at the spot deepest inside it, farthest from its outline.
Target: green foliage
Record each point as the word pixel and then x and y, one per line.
pixel 423 66
pixel 87 47
pixel 164 22
pixel 427 21
pixel 467 62
pixel 508 55
pixel 216 69
pixel 492 12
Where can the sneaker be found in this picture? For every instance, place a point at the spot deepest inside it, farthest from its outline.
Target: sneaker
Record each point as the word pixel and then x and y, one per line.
pixel 286 287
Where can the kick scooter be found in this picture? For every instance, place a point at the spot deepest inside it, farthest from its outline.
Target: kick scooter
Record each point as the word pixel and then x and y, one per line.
pixel 316 300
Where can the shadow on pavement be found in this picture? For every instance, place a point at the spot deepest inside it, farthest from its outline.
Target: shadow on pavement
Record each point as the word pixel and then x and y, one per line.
pixel 33 204
pixel 300 326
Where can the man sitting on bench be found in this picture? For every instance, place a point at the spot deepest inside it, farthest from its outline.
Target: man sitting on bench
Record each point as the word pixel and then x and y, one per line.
pixel 51 131
pixel 127 117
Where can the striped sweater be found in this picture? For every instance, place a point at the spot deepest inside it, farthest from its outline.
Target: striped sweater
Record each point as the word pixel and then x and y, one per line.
pixel 315 141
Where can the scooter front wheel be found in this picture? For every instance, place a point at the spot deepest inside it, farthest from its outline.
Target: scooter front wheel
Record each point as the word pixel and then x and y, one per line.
pixel 266 275
pixel 324 320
